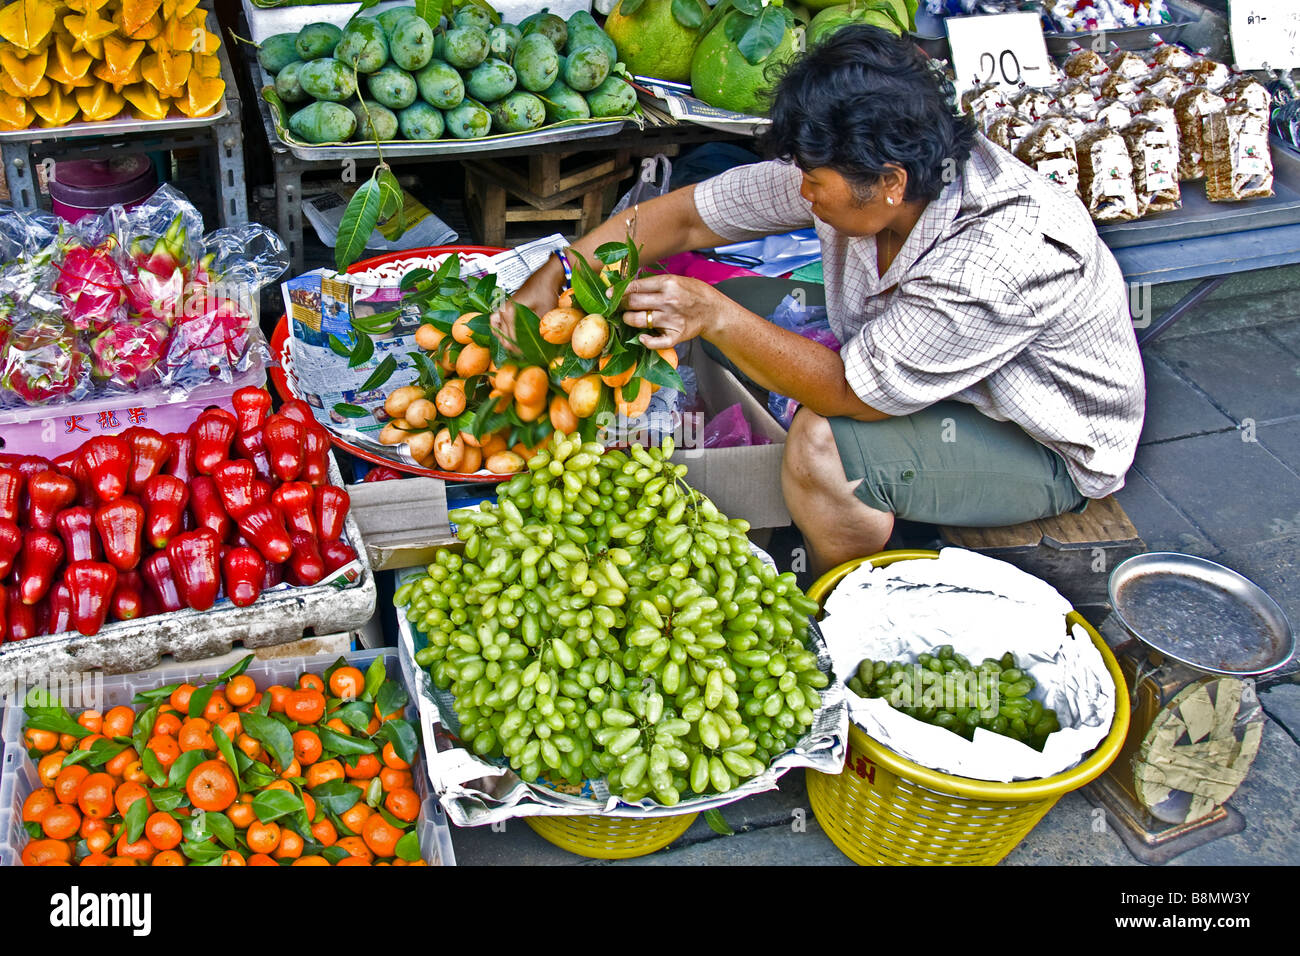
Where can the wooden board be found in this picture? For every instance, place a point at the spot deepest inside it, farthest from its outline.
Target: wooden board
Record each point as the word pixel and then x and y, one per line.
pixel 1072 552
pixel 1102 524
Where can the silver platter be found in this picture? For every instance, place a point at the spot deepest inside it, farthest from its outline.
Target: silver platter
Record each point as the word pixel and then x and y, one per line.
pixel 1201 614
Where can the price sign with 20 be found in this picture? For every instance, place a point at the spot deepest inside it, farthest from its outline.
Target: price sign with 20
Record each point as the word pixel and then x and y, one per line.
pixel 1004 48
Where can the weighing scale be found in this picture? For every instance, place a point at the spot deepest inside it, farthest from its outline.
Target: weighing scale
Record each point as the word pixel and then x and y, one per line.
pixel 1201 634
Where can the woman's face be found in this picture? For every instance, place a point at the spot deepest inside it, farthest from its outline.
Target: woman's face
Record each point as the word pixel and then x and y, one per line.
pixel 835 203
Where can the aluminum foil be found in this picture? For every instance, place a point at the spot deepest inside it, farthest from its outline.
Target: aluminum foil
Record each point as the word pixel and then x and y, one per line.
pixel 983 608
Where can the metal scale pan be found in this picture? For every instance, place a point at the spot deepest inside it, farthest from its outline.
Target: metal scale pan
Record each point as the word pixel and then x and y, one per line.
pixel 1201 614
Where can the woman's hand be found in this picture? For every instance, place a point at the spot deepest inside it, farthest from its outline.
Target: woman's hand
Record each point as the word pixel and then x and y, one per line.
pixel 540 293
pixel 673 309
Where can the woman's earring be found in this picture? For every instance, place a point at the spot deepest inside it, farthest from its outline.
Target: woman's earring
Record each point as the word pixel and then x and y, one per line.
pixel 890 200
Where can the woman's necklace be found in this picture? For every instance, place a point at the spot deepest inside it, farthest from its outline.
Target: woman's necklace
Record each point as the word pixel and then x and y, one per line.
pixel 886 256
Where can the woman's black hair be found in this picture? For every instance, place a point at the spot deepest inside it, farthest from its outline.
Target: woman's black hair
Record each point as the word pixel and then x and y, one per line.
pixel 863 99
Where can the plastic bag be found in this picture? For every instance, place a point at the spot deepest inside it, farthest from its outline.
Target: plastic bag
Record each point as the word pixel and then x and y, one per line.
pixel 148 298
pixel 810 321
pixel 215 335
pixel 128 354
pixel 45 361
pixel 651 182
pixel 730 429
pixel 90 286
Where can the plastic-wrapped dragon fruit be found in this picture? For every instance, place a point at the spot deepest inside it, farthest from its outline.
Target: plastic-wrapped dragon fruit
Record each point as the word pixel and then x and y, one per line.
pixel 128 354
pixel 156 280
pixel 90 285
pixel 44 361
pixel 209 339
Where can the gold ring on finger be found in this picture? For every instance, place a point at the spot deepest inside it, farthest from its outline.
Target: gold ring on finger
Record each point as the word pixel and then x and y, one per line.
pixel 649 320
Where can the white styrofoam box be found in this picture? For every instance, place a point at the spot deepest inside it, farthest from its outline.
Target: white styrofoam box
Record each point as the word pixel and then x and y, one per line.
pixel 18 776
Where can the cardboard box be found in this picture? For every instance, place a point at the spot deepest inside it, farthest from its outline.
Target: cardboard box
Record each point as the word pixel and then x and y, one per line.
pixel 743 482
pixel 403 523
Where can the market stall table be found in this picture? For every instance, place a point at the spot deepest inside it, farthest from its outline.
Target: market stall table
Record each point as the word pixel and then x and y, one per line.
pixel 290 163
pixel 1207 242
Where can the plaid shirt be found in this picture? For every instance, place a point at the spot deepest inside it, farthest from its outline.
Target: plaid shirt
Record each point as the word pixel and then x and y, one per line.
pixel 1003 296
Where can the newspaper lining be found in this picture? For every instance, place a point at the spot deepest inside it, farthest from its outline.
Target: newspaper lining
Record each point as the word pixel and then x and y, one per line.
pixel 321 303
pixel 686 108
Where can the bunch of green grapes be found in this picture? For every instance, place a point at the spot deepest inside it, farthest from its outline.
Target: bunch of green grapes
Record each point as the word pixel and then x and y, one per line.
pixel 606 620
pixel 944 689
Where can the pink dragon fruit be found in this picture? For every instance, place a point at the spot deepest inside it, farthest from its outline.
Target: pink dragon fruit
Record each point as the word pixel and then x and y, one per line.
pixel 127 353
pixel 43 361
pixel 210 338
pixel 156 290
pixel 91 288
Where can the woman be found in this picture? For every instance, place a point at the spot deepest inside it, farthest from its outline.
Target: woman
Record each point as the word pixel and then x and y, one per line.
pixel 989 373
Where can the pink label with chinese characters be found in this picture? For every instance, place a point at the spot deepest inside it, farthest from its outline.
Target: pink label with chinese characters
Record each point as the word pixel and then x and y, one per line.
pixel 54 430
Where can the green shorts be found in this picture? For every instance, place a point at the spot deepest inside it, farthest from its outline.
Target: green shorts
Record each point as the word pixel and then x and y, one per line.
pixel 950 465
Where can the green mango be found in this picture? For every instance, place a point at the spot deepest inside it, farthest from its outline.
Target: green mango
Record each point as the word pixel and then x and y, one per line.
pixel 393 87
pixel 503 40
pixel 473 15
pixel 552 27
pixel 562 102
pixel 491 80
pixel 380 123
pixel 317 40
pixel 536 62
pixel 277 52
pixel 287 86
pixel 327 79
pixel 518 113
pixel 469 121
pixel 363 45
pixel 440 85
pixel 323 122
pixel 586 69
pixel 421 121
pixel 389 19
pixel 584 31
pixel 410 43
pixel 465 47
pixel 614 97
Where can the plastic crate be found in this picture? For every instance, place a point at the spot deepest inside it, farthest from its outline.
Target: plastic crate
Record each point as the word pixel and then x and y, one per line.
pixel 276 617
pixel 18 776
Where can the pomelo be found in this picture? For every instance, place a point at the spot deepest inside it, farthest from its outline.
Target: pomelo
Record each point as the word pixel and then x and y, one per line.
pixel 722 77
pixel 651 41
pixel 832 18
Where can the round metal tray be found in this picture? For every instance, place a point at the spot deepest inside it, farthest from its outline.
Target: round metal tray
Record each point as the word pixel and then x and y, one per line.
pixel 1201 614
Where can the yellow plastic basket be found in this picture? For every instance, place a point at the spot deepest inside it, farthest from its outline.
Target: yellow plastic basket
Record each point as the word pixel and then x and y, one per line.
pixel 883 809
pixel 611 838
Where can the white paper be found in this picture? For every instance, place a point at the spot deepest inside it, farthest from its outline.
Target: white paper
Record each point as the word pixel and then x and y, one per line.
pixel 1264 33
pixel 1004 48
pixel 983 608
pixel 423 228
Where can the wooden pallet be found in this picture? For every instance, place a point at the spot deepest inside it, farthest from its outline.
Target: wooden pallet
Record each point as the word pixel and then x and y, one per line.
pixel 572 188
pixel 1075 553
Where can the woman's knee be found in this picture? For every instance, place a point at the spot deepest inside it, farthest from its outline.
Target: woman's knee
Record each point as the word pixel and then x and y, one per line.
pixel 810 450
